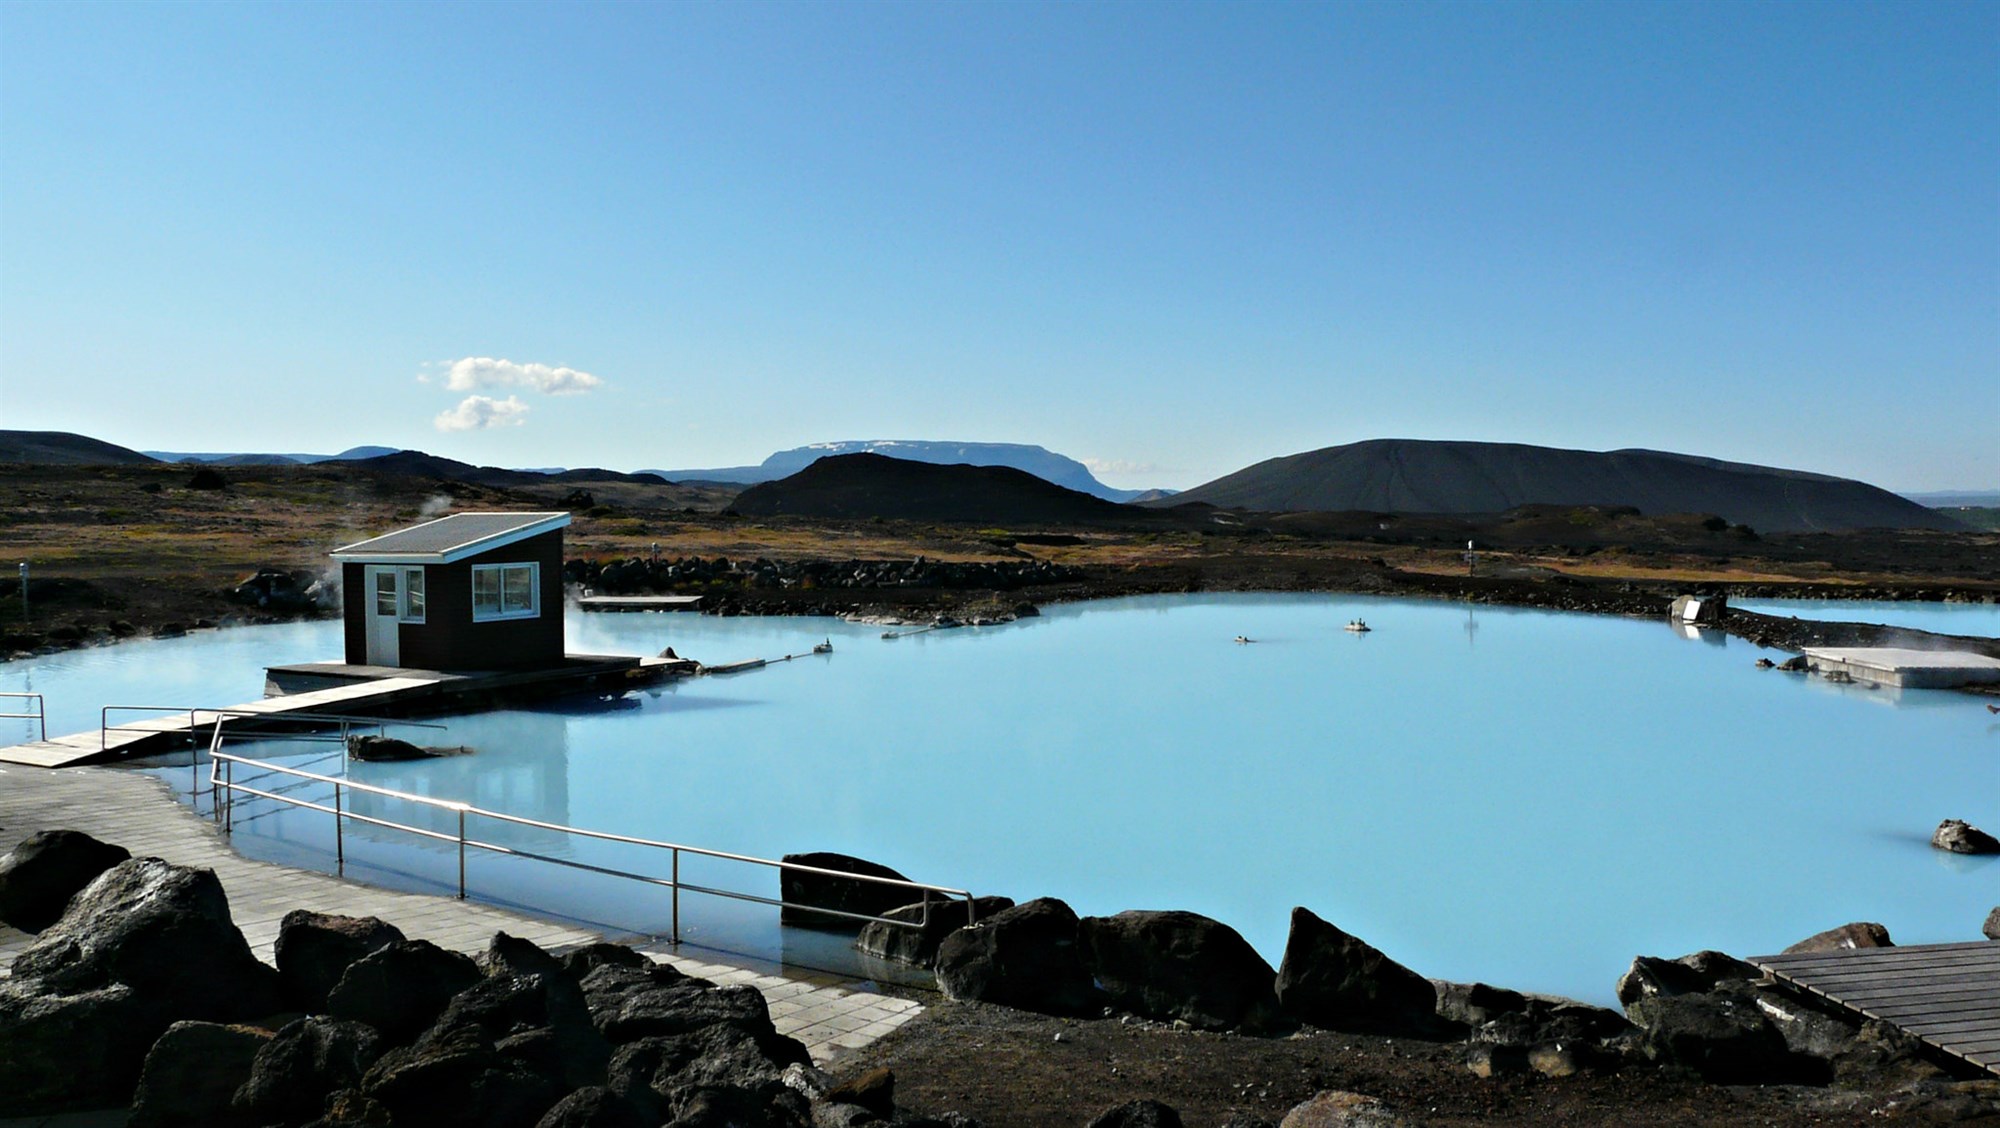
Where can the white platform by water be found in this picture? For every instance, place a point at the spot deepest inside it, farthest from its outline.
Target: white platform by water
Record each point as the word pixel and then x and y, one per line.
pixel 639 602
pixel 1910 669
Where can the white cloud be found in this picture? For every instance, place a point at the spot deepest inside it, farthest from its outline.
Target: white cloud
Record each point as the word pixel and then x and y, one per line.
pixel 473 373
pixel 476 413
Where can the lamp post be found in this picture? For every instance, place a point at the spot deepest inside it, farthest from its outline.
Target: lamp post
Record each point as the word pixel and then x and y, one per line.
pixel 24 593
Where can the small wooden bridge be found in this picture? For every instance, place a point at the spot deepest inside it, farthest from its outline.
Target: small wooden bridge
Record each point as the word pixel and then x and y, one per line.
pixel 1948 995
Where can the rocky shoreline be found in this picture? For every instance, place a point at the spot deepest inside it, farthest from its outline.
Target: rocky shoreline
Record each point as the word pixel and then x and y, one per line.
pixel 357 1026
pixel 920 590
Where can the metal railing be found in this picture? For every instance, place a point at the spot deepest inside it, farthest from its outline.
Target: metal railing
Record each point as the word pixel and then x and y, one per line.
pixel 223 786
pixel 39 716
pixel 343 726
pixel 105 728
pixel 345 723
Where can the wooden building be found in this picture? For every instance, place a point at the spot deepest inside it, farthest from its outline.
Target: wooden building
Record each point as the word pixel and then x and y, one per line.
pixel 472 591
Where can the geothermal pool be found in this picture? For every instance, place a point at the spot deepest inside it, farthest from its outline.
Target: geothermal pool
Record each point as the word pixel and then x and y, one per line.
pixel 1528 798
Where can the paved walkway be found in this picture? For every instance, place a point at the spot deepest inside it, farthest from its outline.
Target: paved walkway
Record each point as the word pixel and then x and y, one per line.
pixel 831 1015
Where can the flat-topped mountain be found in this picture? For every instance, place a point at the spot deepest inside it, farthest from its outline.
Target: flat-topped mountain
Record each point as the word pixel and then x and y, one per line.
pixel 875 485
pixel 1423 476
pixel 1039 461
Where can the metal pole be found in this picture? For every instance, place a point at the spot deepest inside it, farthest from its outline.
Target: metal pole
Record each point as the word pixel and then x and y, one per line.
pixel 24 593
pixel 677 897
pixel 229 791
pixel 461 853
pixel 339 839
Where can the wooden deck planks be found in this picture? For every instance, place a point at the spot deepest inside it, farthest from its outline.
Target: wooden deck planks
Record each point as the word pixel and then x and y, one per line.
pixel 1948 995
pixel 129 733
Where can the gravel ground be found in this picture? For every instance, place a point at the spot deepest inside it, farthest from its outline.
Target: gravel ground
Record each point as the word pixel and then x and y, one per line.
pixel 1013 1069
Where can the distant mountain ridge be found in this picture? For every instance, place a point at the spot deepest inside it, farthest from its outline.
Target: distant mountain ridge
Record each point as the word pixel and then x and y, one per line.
pixel 249 459
pixel 1429 476
pixel 1956 499
pixel 1039 461
pixel 412 462
pixel 865 485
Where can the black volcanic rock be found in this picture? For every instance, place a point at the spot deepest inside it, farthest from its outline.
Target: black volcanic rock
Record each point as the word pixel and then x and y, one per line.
pixel 315 949
pixel 802 892
pixel 1182 966
pixel 1420 476
pixel 44 870
pixel 872 485
pixel 1341 982
pixel 1027 957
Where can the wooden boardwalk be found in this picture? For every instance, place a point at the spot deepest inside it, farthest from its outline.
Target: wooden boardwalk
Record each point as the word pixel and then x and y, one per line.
pixel 128 734
pixel 1946 994
pixel 342 690
pixel 833 1015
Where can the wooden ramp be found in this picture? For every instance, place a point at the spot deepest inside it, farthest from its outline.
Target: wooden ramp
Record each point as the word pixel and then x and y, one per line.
pixel 336 688
pixel 128 735
pixel 1948 995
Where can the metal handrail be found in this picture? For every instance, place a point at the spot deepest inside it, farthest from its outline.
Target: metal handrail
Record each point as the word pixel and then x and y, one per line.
pixel 105 727
pixel 39 716
pixel 344 720
pixel 225 784
pixel 347 721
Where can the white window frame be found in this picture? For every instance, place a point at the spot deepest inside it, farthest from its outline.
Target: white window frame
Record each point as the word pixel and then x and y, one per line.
pixel 499 571
pixel 415 597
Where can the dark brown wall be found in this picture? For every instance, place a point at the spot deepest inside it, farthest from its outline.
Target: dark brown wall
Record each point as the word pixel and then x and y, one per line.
pixel 448 639
pixel 354 611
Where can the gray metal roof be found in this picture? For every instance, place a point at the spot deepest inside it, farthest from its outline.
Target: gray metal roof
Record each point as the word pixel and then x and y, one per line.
pixel 452 538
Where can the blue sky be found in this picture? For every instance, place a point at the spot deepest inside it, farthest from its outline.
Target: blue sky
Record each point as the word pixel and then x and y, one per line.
pixel 1168 239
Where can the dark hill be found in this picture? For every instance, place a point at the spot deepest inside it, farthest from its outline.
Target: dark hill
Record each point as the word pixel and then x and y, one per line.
pixel 874 485
pixel 1036 460
pixel 418 464
pixel 65 448
pixel 1420 476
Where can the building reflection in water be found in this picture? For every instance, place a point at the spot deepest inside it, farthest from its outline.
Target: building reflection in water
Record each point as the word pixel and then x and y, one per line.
pixel 519 765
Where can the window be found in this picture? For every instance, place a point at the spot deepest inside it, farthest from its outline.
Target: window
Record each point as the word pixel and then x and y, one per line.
pixel 506 591
pixel 413 595
pixel 385 593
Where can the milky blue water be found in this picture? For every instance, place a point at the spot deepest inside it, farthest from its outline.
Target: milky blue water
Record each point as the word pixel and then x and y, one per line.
pixel 1981 619
pixel 1524 797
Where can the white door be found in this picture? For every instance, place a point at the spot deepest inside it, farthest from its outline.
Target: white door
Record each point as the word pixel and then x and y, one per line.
pixel 385 612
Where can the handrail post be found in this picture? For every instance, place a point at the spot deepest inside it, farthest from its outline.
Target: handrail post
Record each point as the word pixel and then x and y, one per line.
pixel 229 788
pixel 677 896
pixel 339 839
pixel 461 853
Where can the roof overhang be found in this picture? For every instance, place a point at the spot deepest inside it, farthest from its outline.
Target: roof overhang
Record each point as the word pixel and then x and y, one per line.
pixel 360 552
